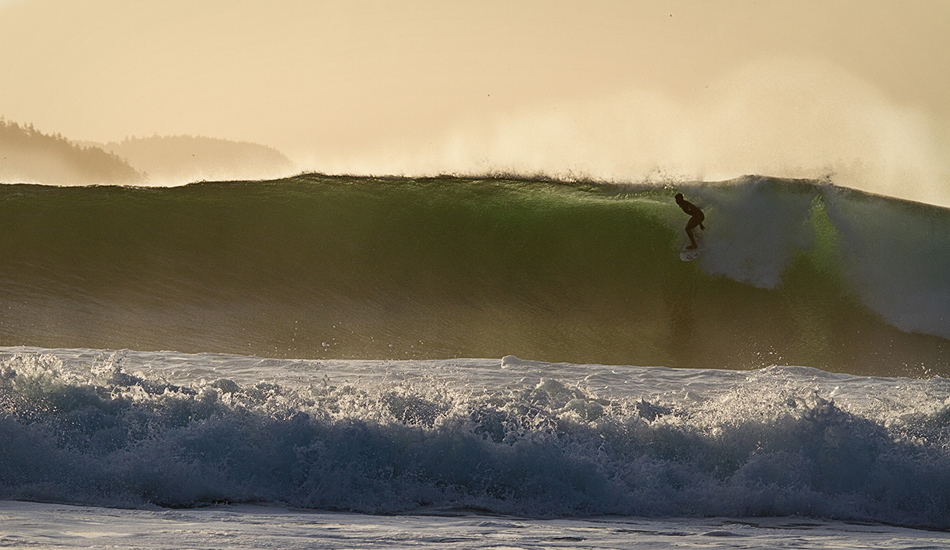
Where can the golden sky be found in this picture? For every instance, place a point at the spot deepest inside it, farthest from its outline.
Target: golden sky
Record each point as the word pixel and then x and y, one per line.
pixel 615 90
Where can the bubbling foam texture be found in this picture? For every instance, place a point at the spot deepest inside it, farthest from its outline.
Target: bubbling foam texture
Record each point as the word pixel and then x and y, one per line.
pixel 786 117
pixel 761 444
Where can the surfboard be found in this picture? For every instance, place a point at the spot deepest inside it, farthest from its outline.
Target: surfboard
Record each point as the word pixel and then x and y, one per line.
pixel 688 255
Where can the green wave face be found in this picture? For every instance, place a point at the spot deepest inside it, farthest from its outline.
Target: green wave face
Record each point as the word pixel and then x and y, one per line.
pixel 340 267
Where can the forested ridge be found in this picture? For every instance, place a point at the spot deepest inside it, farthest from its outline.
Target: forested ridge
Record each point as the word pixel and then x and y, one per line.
pixel 29 155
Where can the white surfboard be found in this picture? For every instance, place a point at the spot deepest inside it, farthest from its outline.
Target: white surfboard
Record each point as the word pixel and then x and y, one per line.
pixel 687 254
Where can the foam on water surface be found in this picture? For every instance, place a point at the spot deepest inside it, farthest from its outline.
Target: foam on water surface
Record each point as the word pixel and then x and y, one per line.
pixel 508 436
pixel 29 525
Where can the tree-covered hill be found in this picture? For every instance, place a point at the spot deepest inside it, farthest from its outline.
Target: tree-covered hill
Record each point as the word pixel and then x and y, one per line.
pixel 28 155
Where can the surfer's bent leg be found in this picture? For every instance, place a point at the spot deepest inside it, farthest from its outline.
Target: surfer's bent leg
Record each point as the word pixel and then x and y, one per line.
pixel 693 222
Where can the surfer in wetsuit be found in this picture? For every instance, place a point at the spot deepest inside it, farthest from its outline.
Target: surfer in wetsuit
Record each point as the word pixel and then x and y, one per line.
pixel 696 219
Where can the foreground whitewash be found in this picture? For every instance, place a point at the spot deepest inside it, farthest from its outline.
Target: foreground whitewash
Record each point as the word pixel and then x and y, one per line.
pixel 507 437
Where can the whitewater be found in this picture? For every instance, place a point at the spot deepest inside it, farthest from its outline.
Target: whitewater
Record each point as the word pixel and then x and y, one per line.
pixel 335 361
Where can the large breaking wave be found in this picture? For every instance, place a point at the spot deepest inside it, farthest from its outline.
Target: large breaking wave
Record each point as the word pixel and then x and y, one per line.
pixel 795 272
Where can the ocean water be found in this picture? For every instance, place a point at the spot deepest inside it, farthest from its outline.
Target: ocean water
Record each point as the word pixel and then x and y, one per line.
pixel 31 525
pixel 634 454
pixel 795 272
pixel 463 363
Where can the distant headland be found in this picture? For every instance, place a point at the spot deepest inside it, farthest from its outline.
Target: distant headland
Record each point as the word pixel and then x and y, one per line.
pixel 28 155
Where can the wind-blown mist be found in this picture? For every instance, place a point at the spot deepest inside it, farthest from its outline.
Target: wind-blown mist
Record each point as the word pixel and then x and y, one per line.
pixel 786 118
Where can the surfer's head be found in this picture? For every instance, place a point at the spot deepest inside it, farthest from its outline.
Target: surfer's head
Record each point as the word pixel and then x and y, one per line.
pixel 679 197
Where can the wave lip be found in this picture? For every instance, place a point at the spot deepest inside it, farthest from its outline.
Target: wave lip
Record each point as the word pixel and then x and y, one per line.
pixel 775 442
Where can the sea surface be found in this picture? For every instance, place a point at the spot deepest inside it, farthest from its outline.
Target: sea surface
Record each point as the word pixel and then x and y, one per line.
pixel 332 361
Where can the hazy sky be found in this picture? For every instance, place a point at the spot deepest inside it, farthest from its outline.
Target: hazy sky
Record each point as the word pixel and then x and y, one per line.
pixel 615 90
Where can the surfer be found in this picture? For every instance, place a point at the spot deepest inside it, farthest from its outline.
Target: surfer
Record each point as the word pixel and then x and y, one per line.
pixel 696 219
